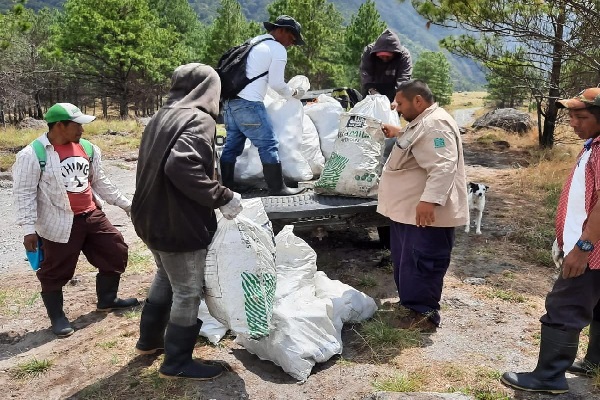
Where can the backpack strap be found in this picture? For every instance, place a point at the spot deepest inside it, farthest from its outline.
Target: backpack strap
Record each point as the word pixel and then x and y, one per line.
pixel 40 152
pixel 267 71
pixel 88 147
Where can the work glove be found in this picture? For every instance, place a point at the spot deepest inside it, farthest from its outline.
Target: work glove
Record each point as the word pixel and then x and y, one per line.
pixel 373 91
pixel 298 93
pixel 233 208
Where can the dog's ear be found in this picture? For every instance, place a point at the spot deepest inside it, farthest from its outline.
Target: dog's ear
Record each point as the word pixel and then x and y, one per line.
pixel 486 187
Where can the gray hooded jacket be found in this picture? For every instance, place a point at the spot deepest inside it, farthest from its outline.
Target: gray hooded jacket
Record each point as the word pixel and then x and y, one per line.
pixel 176 192
pixel 382 76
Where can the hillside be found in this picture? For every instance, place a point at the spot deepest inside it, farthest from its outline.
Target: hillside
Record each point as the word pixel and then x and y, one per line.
pixel 400 16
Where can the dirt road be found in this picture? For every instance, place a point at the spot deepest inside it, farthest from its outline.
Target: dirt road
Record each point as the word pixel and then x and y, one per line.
pixel 483 333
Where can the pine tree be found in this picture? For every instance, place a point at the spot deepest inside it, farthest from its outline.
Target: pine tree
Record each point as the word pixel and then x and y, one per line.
pixel 434 68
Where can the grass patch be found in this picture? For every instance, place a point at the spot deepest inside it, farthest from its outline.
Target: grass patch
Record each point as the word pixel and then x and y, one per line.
pixel 133 314
pixel 483 393
pixel 111 344
pixel 506 295
pixel 140 262
pixel 367 281
pixel 31 369
pixel 12 300
pixel 400 383
pixel 383 340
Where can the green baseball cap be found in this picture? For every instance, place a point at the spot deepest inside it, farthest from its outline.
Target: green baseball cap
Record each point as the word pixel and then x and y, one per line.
pixel 67 112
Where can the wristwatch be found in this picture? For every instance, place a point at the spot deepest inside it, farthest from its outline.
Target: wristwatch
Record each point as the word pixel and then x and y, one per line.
pixel 585 245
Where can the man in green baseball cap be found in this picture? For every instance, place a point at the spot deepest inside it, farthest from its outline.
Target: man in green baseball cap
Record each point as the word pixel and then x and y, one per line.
pixel 58 188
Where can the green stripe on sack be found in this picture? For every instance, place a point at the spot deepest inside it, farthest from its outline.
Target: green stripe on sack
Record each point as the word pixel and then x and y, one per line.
pixel 259 295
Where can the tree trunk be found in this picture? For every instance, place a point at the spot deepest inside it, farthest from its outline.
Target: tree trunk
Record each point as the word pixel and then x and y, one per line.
pixel 547 138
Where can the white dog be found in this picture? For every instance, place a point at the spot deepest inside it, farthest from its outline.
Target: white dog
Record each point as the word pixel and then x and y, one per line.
pixel 476 199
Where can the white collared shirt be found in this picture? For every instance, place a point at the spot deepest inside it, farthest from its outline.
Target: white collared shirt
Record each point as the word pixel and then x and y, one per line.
pixel 40 199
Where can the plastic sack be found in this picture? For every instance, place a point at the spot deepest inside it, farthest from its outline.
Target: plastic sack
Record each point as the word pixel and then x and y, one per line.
pixel 240 277
pixel 356 162
pixel 325 114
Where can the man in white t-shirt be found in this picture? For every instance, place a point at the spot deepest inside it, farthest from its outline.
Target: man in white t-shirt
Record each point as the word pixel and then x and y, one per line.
pixel 246 116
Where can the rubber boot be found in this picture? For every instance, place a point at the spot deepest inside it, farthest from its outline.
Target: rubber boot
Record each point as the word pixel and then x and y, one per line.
pixel 274 178
pixel 54 306
pixel 228 178
pixel 591 362
pixel 558 350
pixel 153 323
pixel 107 286
pixel 227 174
pixel 178 362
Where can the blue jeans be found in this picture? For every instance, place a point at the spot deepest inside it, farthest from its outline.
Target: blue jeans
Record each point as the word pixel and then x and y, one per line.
pixel 179 279
pixel 248 120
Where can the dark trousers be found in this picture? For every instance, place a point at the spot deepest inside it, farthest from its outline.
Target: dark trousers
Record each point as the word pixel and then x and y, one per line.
pixel 572 303
pixel 94 235
pixel 421 257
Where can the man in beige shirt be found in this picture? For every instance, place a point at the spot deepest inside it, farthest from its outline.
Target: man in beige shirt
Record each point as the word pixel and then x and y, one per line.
pixel 423 190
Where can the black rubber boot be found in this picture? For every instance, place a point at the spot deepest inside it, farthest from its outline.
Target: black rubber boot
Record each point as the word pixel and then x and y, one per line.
pixel 274 178
pixel 107 286
pixel 228 178
pixel 54 306
pixel 558 349
pixel 153 323
pixel 591 362
pixel 178 363
pixel 227 174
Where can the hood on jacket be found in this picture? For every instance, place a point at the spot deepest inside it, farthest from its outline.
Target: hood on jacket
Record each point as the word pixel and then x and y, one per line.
pixel 387 41
pixel 195 85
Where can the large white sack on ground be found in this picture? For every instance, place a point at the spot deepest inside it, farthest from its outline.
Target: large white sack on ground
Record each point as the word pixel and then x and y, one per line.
pixel 311 146
pixel 240 276
pixel 377 106
pixel 296 263
pixel 302 335
pixel 211 328
pixel 286 116
pixel 355 164
pixel 349 304
pixel 325 114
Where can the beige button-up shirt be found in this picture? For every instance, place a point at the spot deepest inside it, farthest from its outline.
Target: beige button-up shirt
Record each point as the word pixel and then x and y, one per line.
pixel 40 199
pixel 426 164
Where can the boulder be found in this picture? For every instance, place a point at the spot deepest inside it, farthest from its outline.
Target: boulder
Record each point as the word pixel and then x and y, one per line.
pixel 32 123
pixel 509 119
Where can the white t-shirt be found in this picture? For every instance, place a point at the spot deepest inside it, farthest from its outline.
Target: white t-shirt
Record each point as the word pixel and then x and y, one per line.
pixel 271 56
pixel 576 213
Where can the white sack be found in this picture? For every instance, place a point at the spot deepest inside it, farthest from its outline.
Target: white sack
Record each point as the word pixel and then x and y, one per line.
pixel 286 116
pixel 248 167
pixel 377 106
pixel 302 335
pixel 296 263
pixel 311 146
pixel 355 164
pixel 211 328
pixel 240 276
pixel 325 114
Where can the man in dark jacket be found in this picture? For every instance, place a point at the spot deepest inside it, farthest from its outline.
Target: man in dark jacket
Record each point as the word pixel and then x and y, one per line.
pixel 173 213
pixel 384 65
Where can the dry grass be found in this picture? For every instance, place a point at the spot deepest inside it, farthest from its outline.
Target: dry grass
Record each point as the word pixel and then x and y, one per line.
pixel 112 136
pixel 466 100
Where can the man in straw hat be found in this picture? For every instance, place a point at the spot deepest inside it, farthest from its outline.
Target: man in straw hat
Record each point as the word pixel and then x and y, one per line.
pixel 574 301
pixel 246 115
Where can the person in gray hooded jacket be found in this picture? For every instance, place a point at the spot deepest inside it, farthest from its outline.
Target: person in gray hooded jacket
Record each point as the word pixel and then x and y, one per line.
pixel 173 213
pixel 384 65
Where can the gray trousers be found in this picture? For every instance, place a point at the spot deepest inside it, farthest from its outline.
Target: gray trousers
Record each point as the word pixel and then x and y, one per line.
pixel 179 281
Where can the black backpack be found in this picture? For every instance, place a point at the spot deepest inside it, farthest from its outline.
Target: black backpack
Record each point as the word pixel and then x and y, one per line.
pixel 232 69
